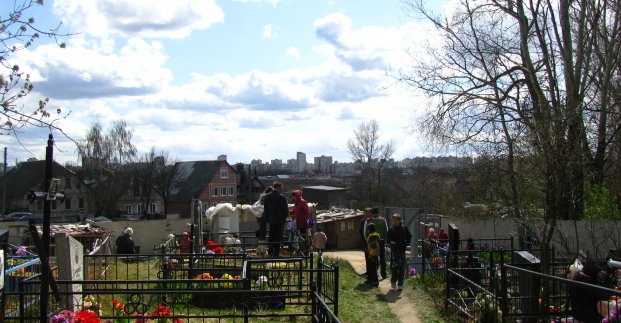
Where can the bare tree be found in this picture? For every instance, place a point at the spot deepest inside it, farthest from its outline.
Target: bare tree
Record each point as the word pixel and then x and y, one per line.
pixel 529 83
pixel 143 179
pixel 165 180
pixel 19 31
pixel 101 154
pixel 367 148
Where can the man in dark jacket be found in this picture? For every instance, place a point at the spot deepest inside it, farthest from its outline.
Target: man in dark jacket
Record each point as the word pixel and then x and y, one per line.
pixel 399 238
pixel 276 210
pixel 125 243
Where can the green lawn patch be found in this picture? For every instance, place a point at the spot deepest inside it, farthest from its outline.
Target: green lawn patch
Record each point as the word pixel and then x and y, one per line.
pixel 359 302
pixel 427 295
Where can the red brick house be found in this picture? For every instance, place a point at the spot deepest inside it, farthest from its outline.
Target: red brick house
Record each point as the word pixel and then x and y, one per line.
pixel 209 181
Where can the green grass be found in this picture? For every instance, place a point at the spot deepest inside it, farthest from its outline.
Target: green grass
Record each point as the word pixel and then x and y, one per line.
pixel 427 295
pixel 360 303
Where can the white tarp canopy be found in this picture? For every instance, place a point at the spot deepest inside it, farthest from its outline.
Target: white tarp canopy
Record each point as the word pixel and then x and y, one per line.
pixel 225 218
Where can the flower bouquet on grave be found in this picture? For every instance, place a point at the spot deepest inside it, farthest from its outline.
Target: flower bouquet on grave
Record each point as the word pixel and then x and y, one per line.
pixel 88 314
pixel 225 289
pixel 229 284
pixel 205 276
pixel 82 316
pixel 161 314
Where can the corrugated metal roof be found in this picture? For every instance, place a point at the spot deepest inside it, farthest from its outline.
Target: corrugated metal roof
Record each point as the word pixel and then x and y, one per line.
pixel 337 214
pixel 324 188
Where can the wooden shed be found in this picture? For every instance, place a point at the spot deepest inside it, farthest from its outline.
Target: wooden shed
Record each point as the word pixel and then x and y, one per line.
pixel 342 227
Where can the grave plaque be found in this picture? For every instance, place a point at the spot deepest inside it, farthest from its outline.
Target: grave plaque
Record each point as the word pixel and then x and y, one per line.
pixel 70 257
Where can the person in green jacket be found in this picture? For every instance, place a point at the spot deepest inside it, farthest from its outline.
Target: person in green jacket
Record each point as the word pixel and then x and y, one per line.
pixel 382 229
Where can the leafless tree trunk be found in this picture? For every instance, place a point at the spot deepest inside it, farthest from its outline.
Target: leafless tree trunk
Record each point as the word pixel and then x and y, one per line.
pixel 101 170
pixel 165 178
pixel 528 82
pixel 367 148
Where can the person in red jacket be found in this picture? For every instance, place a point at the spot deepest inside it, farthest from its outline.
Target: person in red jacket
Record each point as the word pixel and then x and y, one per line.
pixel 301 212
pixel 443 238
pixel 185 244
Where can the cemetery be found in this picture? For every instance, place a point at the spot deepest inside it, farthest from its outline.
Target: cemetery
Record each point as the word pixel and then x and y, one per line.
pixel 212 278
pixel 496 280
pixel 501 278
pixel 229 285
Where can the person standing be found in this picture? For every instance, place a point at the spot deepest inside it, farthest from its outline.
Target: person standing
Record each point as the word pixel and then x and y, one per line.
pixel 363 237
pixel 262 232
pixel 443 238
pixel 398 238
pixel 433 238
pixel 125 243
pixel 185 244
pixel 276 210
pixel 373 245
pixel 319 241
pixel 301 214
pixel 382 229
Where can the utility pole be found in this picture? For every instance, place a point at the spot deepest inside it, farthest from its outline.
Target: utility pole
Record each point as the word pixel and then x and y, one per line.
pixel 45 275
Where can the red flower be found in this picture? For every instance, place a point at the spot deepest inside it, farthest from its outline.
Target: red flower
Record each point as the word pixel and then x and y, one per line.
pixel 86 316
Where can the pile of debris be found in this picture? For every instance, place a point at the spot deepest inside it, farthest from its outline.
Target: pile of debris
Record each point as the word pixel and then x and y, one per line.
pixel 336 213
pixel 75 230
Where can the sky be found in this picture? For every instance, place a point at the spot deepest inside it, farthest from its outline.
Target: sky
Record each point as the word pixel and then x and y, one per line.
pixel 250 79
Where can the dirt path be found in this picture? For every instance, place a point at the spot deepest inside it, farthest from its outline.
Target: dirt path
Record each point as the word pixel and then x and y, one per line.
pixel 398 302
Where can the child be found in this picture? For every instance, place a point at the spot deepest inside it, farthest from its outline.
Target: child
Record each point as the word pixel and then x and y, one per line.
pixel 399 238
pixel 319 241
pixel 373 246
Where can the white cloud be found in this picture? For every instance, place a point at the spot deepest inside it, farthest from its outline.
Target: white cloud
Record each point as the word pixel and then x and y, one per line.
pixel 268 31
pixel 92 71
pixel 143 18
pixel 312 109
pixel 293 52
pixel 369 47
pixel 262 91
pixel 272 2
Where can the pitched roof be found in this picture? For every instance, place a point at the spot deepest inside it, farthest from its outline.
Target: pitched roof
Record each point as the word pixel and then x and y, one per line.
pixel 27 176
pixel 193 177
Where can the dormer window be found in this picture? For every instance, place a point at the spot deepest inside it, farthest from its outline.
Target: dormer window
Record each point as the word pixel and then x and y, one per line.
pixel 224 173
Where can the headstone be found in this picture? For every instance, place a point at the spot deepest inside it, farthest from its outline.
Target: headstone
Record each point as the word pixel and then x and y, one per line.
pixel 453 233
pixel 70 257
pixel 4 240
pixel 529 285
